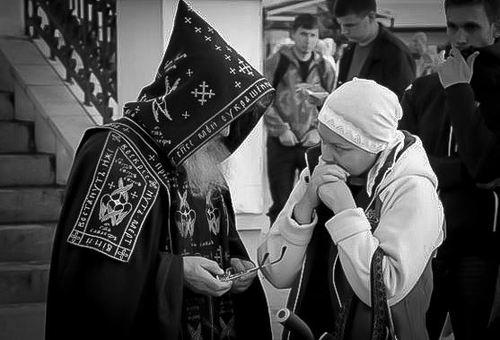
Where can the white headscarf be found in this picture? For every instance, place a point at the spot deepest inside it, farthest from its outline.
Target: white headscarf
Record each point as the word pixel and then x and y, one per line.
pixel 364 113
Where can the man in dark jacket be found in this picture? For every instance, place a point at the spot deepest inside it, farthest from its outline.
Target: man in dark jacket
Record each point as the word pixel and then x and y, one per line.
pixel 456 114
pixel 374 52
pixel 147 224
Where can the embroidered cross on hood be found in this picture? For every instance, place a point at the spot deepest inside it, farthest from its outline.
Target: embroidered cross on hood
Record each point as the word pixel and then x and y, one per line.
pixel 202 86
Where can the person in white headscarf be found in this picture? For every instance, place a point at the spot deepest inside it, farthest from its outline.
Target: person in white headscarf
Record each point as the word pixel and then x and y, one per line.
pixel 361 225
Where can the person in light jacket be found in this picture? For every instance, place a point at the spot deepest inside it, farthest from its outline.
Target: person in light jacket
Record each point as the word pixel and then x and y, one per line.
pixel 361 225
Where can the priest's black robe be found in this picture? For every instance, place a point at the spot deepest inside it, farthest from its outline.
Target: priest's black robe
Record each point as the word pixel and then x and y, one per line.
pixel 97 291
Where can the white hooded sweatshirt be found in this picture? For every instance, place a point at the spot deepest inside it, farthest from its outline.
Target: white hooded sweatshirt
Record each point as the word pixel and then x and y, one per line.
pixel 409 230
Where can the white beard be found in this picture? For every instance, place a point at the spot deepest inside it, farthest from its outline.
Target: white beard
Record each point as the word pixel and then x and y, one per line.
pixel 203 169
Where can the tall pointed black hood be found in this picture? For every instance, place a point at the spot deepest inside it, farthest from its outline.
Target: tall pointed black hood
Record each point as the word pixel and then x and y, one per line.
pixel 202 86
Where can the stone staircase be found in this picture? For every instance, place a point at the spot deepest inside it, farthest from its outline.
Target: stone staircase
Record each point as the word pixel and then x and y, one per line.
pixel 30 202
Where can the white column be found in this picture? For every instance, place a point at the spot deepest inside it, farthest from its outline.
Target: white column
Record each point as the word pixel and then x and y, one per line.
pixel 12 17
pixel 140 45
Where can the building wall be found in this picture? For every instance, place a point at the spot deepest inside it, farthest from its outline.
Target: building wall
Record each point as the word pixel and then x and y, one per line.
pixel 415 13
pixel 12 17
pixel 139 45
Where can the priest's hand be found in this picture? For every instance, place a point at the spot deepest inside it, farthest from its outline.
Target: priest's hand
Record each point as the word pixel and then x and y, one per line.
pixel 336 196
pixel 242 284
pixel 199 276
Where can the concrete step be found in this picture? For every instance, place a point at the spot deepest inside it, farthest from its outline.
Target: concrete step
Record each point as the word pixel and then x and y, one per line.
pixel 16 136
pixel 27 169
pixel 30 204
pixel 26 242
pixel 23 282
pixel 6 105
pixel 22 321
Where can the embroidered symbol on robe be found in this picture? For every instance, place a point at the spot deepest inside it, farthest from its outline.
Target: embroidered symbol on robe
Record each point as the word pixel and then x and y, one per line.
pixel 227 330
pixel 115 207
pixel 204 91
pixel 185 217
pixel 160 104
pixel 159 137
pixel 372 217
pixel 213 216
pixel 195 333
pixel 244 67
pixel 133 112
pixel 160 107
pixel 118 201
pixel 172 64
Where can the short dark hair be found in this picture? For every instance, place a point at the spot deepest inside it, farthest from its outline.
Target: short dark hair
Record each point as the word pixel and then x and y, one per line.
pixel 491 7
pixel 358 7
pixel 306 20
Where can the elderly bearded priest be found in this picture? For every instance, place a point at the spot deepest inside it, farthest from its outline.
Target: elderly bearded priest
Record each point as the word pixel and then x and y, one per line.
pixel 147 223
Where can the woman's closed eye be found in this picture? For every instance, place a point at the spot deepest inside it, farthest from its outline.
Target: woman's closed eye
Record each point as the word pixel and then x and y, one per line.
pixel 339 147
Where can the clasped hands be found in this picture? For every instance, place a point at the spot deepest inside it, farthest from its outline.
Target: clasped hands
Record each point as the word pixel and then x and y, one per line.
pixel 327 184
pixel 200 272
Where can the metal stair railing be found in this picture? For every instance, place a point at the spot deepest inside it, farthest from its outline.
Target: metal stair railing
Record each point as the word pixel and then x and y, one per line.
pixel 82 35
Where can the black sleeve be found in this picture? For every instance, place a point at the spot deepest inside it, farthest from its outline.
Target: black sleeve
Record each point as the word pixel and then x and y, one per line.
pixel 92 296
pixel 400 71
pixel 409 120
pixel 448 169
pixel 478 145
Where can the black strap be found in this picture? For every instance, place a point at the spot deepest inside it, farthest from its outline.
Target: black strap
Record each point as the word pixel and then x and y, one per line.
pixel 382 323
pixel 322 74
pixel 283 64
pixel 344 316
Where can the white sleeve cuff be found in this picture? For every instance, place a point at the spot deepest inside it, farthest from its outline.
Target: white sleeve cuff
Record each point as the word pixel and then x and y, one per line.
pixel 298 234
pixel 346 224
